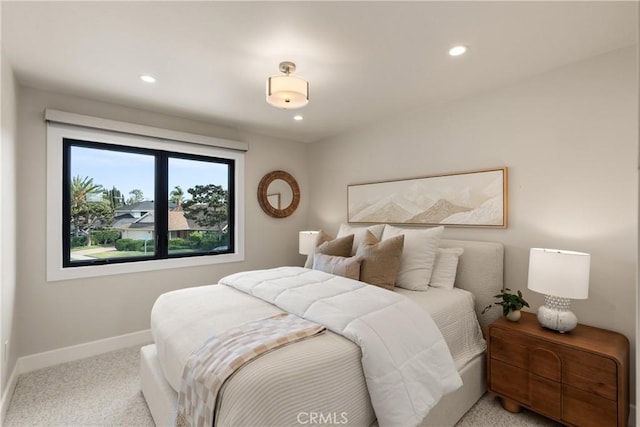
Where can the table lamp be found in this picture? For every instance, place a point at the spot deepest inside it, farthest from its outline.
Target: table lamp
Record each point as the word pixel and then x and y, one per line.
pixel 307 242
pixel 561 276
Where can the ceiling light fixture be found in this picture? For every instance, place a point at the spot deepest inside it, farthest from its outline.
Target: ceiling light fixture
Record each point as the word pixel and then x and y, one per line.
pixel 147 78
pixel 298 118
pixel 287 91
pixel 457 50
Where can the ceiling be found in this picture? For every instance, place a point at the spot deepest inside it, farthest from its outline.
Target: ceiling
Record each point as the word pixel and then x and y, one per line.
pixel 364 60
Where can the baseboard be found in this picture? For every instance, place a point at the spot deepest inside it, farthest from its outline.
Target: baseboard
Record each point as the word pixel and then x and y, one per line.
pixel 81 351
pixel 8 391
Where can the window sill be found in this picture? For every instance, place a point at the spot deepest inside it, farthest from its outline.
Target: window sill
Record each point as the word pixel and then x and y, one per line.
pixel 55 273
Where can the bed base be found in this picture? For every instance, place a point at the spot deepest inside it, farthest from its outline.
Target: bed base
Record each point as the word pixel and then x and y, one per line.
pixel 454 405
pixel 162 399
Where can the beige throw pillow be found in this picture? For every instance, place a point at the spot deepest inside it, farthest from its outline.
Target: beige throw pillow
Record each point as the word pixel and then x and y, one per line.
pixel 348 267
pixel 327 245
pixel 380 260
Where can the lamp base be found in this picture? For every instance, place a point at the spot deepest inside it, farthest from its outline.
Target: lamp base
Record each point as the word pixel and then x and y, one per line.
pixel 555 314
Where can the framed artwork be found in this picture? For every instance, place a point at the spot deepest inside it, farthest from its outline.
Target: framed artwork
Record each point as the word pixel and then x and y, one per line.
pixel 463 199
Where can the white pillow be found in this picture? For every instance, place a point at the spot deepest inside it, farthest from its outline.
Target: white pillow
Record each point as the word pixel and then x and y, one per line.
pixel 445 267
pixel 418 256
pixel 359 234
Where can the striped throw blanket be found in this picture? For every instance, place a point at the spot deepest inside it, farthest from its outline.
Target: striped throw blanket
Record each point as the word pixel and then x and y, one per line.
pixel 221 355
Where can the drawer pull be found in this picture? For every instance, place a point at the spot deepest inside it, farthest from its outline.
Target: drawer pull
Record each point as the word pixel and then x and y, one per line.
pixel 546 363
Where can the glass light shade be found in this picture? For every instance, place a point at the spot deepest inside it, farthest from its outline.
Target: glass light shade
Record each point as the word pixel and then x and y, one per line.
pixel 306 242
pixel 287 92
pixel 559 273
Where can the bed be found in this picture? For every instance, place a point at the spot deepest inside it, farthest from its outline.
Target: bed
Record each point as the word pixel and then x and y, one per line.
pixel 291 378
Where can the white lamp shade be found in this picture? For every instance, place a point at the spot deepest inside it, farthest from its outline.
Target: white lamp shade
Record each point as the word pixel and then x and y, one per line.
pixel 287 92
pixel 307 241
pixel 559 273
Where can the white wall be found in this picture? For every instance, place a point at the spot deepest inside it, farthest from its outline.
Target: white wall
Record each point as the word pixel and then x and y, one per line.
pixel 59 314
pixel 570 140
pixel 8 160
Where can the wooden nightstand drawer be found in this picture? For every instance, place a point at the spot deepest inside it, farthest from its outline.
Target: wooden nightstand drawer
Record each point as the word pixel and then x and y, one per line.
pixel 510 380
pixel 546 363
pixel 591 373
pixel 510 348
pixel 586 409
pixel 545 396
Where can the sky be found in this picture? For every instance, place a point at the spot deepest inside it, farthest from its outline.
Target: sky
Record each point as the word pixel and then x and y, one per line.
pixel 128 171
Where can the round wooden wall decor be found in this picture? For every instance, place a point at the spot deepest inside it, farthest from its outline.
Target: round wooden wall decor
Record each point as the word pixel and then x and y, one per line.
pixel 278 194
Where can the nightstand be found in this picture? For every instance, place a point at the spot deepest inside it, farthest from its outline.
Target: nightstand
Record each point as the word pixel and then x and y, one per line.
pixel 578 378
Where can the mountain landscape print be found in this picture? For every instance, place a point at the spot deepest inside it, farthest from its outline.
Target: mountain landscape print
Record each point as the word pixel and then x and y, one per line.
pixel 464 199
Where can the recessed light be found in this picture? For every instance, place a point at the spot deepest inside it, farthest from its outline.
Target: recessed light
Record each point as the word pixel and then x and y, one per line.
pixel 457 50
pixel 147 78
pixel 298 118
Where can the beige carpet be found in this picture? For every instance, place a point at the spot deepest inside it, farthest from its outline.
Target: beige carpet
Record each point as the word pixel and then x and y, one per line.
pixel 105 391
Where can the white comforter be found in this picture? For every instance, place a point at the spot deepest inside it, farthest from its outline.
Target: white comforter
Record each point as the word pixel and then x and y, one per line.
pixel 405 359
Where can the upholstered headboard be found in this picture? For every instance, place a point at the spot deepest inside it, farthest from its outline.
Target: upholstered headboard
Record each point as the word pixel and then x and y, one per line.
pixel 480 271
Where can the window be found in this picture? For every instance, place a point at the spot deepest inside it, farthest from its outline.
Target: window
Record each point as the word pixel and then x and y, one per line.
pixel 123 204
pixel 129 202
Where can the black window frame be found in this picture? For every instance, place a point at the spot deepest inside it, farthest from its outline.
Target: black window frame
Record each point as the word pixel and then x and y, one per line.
pixel 161 202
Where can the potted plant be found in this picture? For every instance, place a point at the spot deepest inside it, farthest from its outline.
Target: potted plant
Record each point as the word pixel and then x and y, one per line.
pixel 511 304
